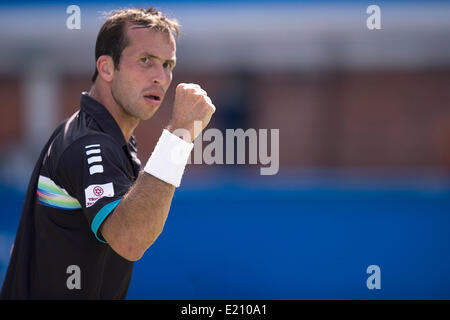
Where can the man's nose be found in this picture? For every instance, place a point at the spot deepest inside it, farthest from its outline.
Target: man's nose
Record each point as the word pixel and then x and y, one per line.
pixel 159 75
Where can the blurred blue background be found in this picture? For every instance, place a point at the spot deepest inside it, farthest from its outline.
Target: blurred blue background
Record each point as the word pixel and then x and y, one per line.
pixel 364 120
pixel 312 239
pixel 304 235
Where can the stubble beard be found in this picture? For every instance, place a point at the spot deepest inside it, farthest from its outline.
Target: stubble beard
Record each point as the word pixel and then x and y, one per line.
pixel 131 111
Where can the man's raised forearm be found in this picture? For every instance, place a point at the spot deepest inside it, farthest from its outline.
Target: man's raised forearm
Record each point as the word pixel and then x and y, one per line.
pixel 139 218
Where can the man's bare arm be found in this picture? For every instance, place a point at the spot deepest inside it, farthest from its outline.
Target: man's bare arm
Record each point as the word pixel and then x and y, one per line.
pixel 139 218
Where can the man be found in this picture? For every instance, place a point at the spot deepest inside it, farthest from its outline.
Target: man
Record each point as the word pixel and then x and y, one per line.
pixel 90 212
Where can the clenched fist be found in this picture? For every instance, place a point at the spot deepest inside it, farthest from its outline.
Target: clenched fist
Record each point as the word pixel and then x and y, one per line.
pixel 191 104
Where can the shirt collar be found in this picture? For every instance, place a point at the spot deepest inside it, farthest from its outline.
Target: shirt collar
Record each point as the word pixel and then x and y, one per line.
pixel 104 119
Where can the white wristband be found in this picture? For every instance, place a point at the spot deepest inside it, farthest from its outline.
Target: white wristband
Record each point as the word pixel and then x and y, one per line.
pixel 169 158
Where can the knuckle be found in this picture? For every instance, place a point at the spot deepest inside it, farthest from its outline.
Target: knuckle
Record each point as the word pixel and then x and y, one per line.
pixel 191 85
pixel 181 87
pixel 199 91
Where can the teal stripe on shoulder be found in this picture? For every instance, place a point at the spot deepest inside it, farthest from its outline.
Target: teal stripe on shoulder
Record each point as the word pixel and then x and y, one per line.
pixel 101 216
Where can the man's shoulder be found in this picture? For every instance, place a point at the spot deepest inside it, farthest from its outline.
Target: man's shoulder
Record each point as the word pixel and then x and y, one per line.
pixel 86 144
pixel 75 137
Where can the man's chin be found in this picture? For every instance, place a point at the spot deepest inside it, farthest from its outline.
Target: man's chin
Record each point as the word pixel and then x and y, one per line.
pixel 149 113
pixel 149 108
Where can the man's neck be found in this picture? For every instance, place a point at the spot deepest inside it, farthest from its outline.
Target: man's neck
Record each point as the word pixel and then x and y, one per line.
pixel 126 123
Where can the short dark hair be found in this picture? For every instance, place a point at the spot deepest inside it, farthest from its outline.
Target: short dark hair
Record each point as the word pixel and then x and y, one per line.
pixel 112 40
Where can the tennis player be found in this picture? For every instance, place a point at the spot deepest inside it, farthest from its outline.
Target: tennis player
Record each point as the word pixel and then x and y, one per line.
pixel 90 211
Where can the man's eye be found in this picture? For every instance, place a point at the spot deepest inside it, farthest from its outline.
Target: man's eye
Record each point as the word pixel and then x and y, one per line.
pixel 167 65
pixel 145 60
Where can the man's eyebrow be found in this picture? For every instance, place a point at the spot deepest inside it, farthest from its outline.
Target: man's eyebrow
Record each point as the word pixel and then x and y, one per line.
pixel 172 61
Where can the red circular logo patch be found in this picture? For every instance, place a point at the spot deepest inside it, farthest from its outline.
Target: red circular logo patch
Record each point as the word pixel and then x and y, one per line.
pixel 98 191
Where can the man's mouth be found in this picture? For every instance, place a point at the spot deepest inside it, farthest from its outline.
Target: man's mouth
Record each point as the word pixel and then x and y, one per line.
pixel 153 97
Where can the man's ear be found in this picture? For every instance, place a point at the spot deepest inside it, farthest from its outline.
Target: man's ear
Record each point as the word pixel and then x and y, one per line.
pixel 105 68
